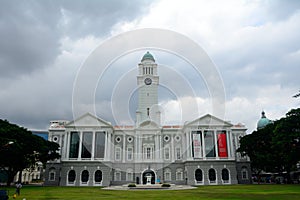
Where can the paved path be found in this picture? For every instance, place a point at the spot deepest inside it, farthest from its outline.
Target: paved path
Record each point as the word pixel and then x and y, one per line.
pixel 150 187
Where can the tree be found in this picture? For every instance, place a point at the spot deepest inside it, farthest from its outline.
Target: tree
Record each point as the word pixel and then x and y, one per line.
pixel 276 147
pixel 20 149
pixel 258 146
pixel 286 141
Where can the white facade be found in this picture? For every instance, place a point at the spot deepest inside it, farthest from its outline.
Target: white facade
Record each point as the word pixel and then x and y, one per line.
pixel 93 152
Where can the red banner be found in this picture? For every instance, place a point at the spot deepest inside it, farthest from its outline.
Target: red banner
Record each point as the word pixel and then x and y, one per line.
pixel 222 145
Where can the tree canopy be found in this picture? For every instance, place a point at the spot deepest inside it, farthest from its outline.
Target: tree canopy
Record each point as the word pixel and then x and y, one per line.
pixel 20 149
pixel 276 147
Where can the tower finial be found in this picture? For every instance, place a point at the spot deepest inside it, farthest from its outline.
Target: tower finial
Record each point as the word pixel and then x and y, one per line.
pixel 263 114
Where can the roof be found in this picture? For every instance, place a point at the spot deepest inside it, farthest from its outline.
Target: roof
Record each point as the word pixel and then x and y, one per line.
pixel 263 121
pixel 148 56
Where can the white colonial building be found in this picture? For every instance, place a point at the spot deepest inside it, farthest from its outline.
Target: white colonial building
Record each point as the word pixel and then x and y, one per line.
pixel 96 153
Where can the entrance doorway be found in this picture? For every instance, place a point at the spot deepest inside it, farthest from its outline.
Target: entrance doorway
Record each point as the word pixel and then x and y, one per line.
pixel 146 173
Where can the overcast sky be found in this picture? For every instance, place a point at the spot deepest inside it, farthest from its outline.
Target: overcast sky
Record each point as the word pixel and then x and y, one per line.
pixel 255 46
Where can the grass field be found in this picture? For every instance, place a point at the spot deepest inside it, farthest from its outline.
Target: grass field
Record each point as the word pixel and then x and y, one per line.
pixel 280 192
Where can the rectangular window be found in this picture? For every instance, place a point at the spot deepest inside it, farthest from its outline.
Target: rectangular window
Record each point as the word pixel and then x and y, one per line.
pixel 52 176
pixel 99 144
pixel 178 153
pixel 118 176
pixel 129 176
pixel 129 153
pixel 209 141
pixel 179 176
pixel 118 153
pixel 167 176
pixel 167 153
pixel 244 173
pixel 87 139
pixel 74 145
pixel 148 153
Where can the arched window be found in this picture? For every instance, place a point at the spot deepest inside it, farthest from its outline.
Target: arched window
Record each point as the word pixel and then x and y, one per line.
pixel 225 175
pixel 98 176
pixel 212 175
pixel 52 174
pixel 244 173
pixel 198 175
pixel 84 176
pixel 71 176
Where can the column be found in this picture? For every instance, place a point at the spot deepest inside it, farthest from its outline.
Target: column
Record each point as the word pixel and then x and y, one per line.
pixel 105 145
pixel 67 145
pixel 93 145
pixel 60 143
pixel 140 149
pixel 109 146
pixel 156 148
pixel 187 146
pixel 190 144
pixel 216 144
pixel 232 145
pixel 135 148
pixel 80 145
pixel 160 147
pixel 228 144
pixel 65 153
pixel 203 144
pixel 172 149
pixel 124 150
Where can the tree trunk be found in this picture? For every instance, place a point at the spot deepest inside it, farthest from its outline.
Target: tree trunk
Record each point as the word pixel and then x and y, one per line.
pixel 20 176
pixel 10 177
pixel 288 176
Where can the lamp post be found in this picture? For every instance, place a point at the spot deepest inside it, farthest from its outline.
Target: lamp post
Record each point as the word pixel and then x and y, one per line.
pixel 5 146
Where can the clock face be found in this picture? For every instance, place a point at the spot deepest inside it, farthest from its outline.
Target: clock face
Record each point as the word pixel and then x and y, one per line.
pixel 148 81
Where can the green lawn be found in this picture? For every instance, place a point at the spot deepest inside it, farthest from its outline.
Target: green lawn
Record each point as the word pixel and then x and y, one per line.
pixel 281 192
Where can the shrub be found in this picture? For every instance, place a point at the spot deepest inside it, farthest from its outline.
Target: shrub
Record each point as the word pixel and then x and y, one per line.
pixel 131 185
pixel 165 185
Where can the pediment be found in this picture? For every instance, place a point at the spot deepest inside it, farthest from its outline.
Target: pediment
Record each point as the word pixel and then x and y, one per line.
pixel 148 124
pixel 89 120
pixel 208 120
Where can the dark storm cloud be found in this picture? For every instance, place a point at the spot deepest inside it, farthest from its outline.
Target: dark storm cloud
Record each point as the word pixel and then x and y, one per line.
pixel 43 43
pixel 96 17
pixel 36 85
pixel 28 36
pixel 31 30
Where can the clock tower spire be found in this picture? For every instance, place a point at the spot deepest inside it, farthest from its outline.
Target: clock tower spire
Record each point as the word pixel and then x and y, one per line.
pixel 147 81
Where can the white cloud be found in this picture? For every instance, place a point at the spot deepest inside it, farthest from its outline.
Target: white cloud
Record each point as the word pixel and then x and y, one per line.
pixel 185 108
pixel 274 100
pixel 255 45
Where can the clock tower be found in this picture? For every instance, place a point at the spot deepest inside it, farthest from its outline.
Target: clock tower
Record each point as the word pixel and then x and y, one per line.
pixel 147 81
